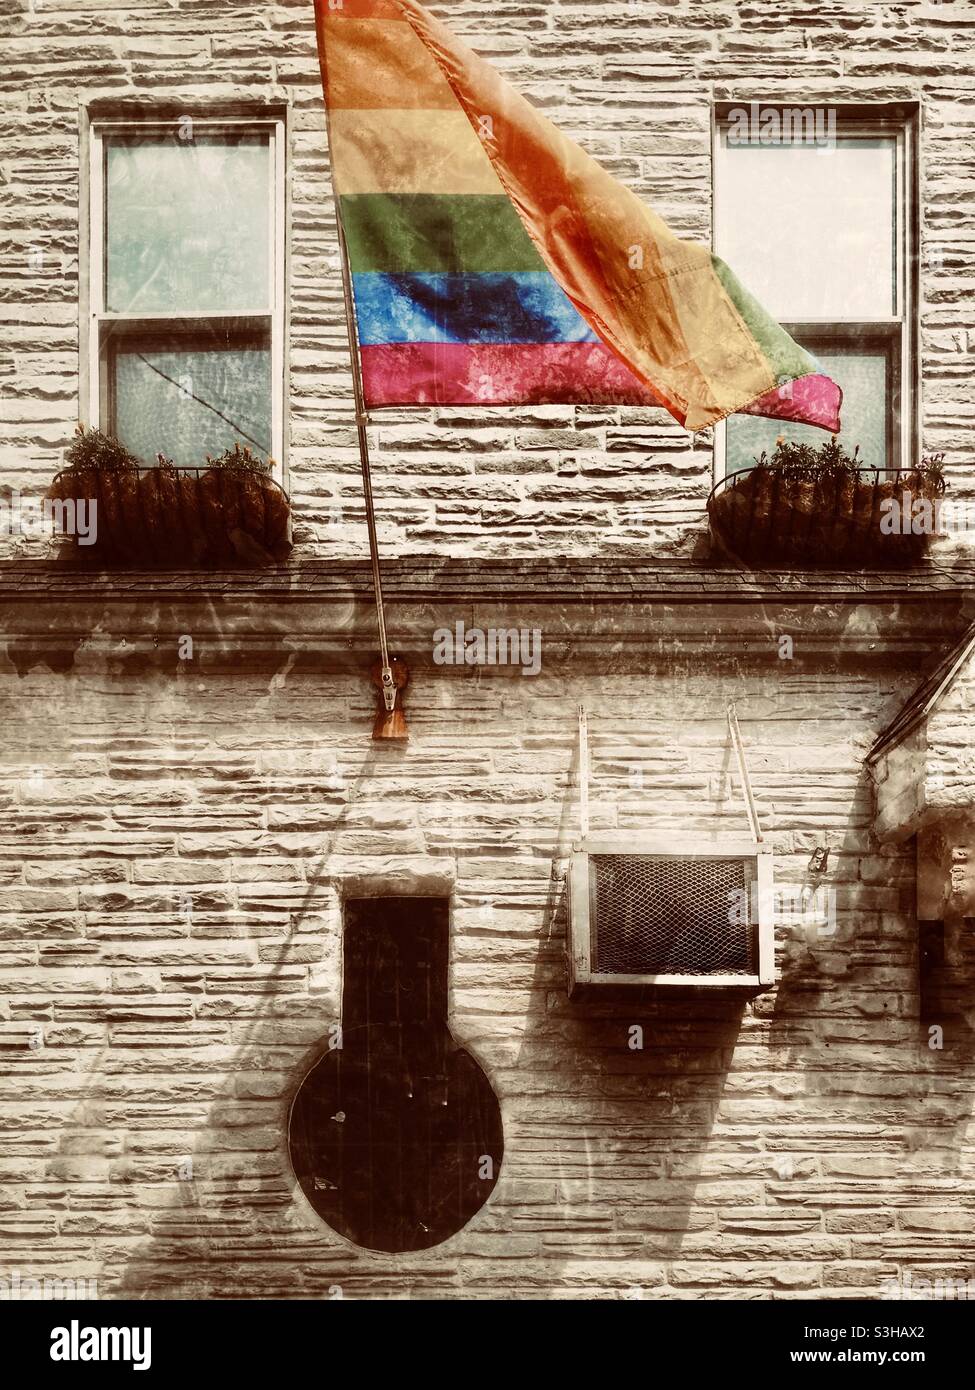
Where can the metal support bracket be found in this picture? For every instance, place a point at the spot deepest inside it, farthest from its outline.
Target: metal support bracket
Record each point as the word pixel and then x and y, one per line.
pixel 751 810
pixel 746 787
pixel 583 773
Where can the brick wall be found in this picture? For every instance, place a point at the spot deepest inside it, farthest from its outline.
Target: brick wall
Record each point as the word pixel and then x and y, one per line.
pixel 806 1143
pixel 951 757
pixel 634 82
pixel 810 1143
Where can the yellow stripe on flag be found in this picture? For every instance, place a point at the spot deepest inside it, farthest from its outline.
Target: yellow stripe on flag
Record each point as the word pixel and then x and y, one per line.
pixel 387 151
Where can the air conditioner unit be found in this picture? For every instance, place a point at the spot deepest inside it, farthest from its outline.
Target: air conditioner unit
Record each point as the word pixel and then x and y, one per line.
pixel 668 912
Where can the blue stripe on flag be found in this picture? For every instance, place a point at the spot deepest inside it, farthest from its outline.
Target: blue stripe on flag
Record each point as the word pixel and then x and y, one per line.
pixel 487 307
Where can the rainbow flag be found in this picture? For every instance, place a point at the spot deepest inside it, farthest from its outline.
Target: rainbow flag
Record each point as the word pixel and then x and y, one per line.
pixel 494 261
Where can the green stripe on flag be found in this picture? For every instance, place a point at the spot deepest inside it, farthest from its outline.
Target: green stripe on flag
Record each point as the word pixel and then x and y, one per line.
pixel 785 357
pixel 435 232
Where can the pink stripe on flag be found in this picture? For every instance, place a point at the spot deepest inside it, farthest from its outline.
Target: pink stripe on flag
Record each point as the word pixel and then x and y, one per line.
pixel 812 400
pixel 499 374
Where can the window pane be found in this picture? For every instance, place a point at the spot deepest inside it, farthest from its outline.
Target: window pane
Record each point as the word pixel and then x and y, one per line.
pixel 863 380
pixel 187 222
pixel 809 230
pixel 190 404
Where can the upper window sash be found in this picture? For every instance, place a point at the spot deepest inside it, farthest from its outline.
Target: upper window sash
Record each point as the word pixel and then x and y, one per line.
pixel 848 134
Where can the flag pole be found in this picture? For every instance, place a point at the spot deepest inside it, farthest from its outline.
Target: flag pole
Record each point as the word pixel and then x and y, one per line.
pixel 390 722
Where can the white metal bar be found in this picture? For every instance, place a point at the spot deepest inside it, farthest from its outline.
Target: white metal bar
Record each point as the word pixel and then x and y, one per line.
pixel 766 920
pixel 277 296
pixel 752 982
pixel 126 124
pixel 746 786
pixel 908 254
pixel 684 845
pixel 96 274
pixel 190 316
pixel 580 933
pixel 583 773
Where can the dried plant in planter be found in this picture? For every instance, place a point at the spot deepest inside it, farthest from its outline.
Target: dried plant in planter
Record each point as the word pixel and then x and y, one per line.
pixel 102 471
pixel 93 449
pixel 241 460
pixel 807 505
pixel 229 511
pixel 245 507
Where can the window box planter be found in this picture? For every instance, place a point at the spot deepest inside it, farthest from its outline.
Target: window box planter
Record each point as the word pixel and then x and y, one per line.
pixel 223 513
pixel 839 516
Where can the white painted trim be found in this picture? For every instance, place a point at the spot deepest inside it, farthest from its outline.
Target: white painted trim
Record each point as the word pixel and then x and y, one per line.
pixel 689 845
pixel 190 316
pixel 278 296
pixel 583 773
pixel 766 918
pixel 96 270
pixel 93 244
pixel 579 945
pixel 579 933
pixel 84 286
pixel 745 982
pixel 910 414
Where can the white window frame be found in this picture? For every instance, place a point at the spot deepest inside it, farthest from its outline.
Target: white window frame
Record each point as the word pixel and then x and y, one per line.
pixel 93 382
pixel 866 121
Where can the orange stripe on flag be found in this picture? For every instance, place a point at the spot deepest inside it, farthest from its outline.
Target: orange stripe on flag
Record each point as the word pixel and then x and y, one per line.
pixel 377 64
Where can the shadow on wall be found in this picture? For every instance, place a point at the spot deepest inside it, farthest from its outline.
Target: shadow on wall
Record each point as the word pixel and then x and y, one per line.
pixel 606 1171
pixel 625 1139
pixel 629 1171
pixel 878 1115
pixel 150 1214
pixel 238 1224
pixel 609 1108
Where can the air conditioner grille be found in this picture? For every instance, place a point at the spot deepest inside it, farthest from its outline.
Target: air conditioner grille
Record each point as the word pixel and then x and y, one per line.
pixel 664 915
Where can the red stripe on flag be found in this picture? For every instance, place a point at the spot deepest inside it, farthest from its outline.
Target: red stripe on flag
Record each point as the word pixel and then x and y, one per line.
pixel 499 374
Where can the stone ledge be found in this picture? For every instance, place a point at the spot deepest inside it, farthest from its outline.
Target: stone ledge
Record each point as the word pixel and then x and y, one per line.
pixel 443 578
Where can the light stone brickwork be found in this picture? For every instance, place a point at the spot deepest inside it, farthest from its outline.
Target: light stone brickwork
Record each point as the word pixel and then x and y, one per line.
pixel 951 747
pixel 634 82
pixel 178 834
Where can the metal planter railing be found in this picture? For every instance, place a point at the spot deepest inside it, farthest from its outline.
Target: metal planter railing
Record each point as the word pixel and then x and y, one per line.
pixel 768 516
pixel 176 516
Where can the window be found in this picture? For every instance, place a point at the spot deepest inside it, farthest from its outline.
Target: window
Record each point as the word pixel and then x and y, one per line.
pixel 186 288
pixel 813 208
